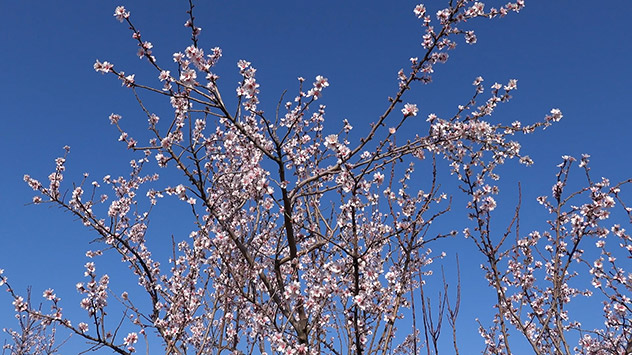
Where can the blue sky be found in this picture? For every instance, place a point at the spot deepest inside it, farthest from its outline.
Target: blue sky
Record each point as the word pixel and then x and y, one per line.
pixel 569 55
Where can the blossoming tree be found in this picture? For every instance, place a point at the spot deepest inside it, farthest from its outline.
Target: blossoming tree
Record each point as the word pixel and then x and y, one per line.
pixel 307 242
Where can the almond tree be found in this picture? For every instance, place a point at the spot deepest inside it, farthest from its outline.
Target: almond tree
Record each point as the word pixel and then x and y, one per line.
pixel 305 242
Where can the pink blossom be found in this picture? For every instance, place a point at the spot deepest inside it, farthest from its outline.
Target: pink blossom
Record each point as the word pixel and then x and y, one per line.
pixel 49 295
pixel 621 308
pixel 321 82
pixel 164 75
pixel 178 57
pixel 129 80
pixel 420 11
pixel 242 64
pixel 470 37
pixel 187 77
pixel 83 327
pixel 489 204
pixel 555 115
pixel 90 269
pixel 378 177
pixel 120 13
pixel 512 85
pixel 443 15
pixel 410 110
pixel 105 67
pixel 19 304
pixel 131 339
pixel 331 140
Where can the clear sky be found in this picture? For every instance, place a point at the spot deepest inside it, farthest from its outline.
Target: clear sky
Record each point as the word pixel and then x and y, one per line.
pixel 572 55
